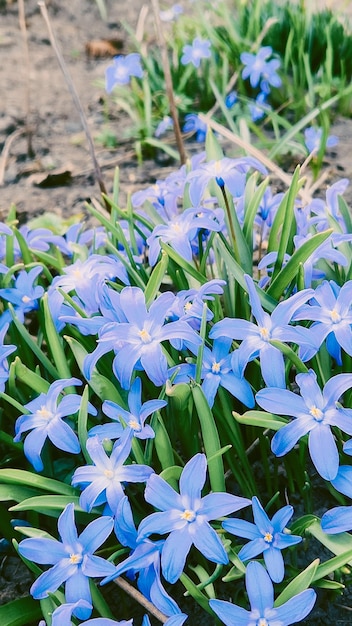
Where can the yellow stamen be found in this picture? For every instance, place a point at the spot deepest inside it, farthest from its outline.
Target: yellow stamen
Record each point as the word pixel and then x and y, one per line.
pixel 26 299
pixel 268 537
pixel 215 368
pixel 43 412
pixel 145 336
pixel 264 333
pixel 134 424
pixel 188 515
pixel 335 316
pixel 108 473
pixel 75 558
pixel 316 413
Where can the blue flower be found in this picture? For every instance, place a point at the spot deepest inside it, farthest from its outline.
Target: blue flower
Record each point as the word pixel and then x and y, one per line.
pixel 169 15
pixel 103 481
pixel 193 124
pixel 256 337
pixel 122 69
pixel 132 421
pixel 337 520
pixel 258 107
pixel 44 419
pixel 63 614
pixel 24 295
pixel 313 137
pixel 259 70
pixel 73 559
pixel 199 49
pixel 165 124
pixel 331 312
pixel 226 172
pixel 315 412
pixel 5 351
pixel 144 560
pixel 231 99
pixel 181 230
pixel 186 517
pixel 138 339
pixel 267 536
pixel 261 597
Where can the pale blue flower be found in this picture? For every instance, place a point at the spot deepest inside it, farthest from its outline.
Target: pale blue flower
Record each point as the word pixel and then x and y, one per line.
pixel 45 420
pixel 138 339
pixel 73 559
pixel 313 138
pixel 194 53
pixel 193 124
pixel 103 481
pixel 122 69
pixel 256 337
pixel 165 124
pixel 261 597
pixel 186 517
pixel 258 107
pixel 132 421
pixel 315 411
pixel 63 614
pixel 267 536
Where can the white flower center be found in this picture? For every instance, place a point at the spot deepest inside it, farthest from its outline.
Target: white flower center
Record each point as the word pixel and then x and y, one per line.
pixel 335 316
pixel 215 368
pixel 26 299
pixel 44 413
pixel 109 474
pixel 134 424
pixel 264 333
pixel 317 413
pixel 75 559
pixel 268 537
pixel 188 515
pixel 145 336
pixel 262 622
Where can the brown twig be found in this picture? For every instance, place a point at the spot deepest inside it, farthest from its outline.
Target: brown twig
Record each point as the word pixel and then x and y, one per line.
pixel 5 152
pixel 23 29
pixel 74 94
pixel 168 80
pixel 136 595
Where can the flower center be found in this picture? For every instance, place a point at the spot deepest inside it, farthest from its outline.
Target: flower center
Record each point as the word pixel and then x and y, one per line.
pixel 187 307
pixel 262 622
pixel 188 515
pixel 109 474
pixel 26 299
pixel 44 413
pixel 176 227
pixel 268 537
pixel 75 559
pixel 134 424
pixel 317 413
pixel 145 336
pixel 335 316
pixel 264 333
pixel 215 368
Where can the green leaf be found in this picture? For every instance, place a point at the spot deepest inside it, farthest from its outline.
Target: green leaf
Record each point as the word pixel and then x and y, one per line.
pixel 32 344
pixel 55 342
pixel 298 584
pixel 171 474
pixel 338 544
pixel 30 479
pixel 260 418
pixel 287 351
pixel 82 424
pixel 155 279
pixel 289 272
pixel 182 263
pixel 101 385
pixel 330 566
pixel 196 594
pixel 48 505
pixel 16 493
pixel 20 612
pixel 234 269
pixel 210 438
pixel 33 380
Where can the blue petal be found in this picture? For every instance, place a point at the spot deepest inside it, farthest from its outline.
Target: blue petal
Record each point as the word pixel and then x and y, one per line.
pixel 215 505
pixel 343 480
pixel 275 564
pixel 192 479
pixel 50 581
pixel 209 543
pixel 174 553
pixel 282 517
pixel 286 438
pixel 252 549
pixel 297 608
pixel 66 526
pixel 323 451
pixel 160 523
pixel 335 387
pixel 273 366
pixel 77 588
pixel 281 402
pixel 260 517
pixel 337 520
pixel 63 437
pixel 95 566
pixel 42 550
pixel 161 495
pixel 241 528
pixel 230 614
pixel 259 587
pixel 96 533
